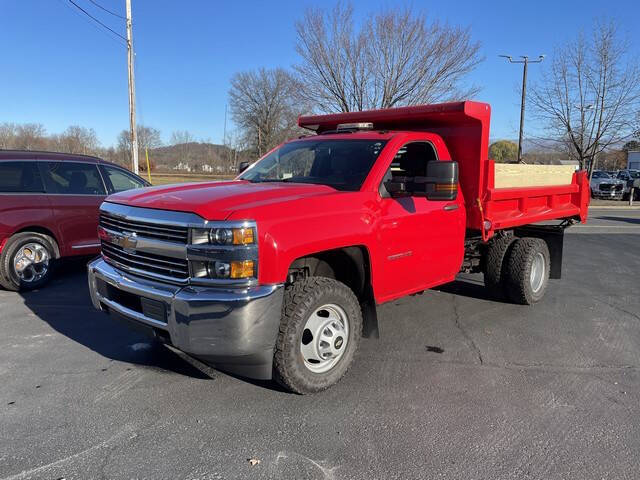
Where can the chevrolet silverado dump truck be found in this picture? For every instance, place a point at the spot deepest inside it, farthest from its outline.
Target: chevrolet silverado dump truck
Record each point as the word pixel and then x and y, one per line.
pixel 277 273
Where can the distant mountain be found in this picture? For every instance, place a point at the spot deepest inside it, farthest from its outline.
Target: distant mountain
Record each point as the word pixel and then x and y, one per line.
pixel 196 157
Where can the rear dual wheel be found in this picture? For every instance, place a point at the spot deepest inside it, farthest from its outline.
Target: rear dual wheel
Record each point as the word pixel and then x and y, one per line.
pixel 517 269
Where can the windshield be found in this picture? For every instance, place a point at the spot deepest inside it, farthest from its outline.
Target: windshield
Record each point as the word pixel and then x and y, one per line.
pixel 341 164
pixel 600 175
pixel 634 173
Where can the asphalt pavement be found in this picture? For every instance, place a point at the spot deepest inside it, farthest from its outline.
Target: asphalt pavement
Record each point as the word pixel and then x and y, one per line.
pixel 457 387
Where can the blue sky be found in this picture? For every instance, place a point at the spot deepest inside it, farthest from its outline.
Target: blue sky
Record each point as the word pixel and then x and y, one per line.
pixel 60 69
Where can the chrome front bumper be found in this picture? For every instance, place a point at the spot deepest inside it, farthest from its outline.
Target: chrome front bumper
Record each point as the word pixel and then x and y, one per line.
pixel 232 329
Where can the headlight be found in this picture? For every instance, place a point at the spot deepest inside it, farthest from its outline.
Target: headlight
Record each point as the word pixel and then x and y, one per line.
pixel 224 236
pixel 224 251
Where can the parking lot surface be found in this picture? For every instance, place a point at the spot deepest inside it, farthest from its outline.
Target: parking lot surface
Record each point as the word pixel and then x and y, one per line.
pixel 458 386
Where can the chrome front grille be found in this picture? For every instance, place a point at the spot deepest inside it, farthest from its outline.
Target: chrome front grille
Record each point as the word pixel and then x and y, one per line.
pixel 156 244
pixel 169 233
pixel 146 263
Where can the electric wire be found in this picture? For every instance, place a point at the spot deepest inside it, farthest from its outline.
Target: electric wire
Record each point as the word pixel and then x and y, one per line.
pixel 107 10
pixel 96 20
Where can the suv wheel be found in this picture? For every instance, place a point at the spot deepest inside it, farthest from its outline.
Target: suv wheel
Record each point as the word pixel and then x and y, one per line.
pixel 319 333
pixel 26 261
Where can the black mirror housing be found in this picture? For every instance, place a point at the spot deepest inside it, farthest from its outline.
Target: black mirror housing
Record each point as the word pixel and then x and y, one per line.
pixel 442 180
pixel 243 166
pixel 441 183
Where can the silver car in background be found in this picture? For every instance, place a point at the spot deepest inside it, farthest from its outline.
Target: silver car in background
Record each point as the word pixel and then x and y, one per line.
pixel 604 185
pixel 628 177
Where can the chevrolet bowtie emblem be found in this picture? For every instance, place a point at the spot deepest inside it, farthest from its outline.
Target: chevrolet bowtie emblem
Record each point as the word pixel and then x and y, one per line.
pixel 129 241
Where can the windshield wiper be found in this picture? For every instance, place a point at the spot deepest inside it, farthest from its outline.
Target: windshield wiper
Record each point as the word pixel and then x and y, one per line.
pixel 273 180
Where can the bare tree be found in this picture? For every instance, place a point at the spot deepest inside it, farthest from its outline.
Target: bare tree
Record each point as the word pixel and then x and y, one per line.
pixel 588 99
pixel 7 135
pixel 183 141
pixel 148 137
pixel 76 139
pixel 182 136
pixel 265 105
pixel 30 136
pixel 396 58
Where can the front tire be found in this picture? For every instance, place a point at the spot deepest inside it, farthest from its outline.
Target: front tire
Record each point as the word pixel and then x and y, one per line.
pixel 528 271
pixel 320 329
pixel 26 262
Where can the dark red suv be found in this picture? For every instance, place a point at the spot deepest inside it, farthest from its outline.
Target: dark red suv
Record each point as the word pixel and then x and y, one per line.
pixel 49 210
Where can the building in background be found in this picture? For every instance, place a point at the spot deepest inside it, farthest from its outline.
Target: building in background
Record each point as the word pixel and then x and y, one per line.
pixel 633 159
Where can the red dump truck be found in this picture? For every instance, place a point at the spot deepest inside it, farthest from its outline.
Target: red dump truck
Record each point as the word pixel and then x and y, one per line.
pixel 277 273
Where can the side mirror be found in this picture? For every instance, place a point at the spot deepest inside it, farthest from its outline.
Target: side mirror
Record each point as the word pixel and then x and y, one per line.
pixel 441 182
pixel 398 187
pixel 243 166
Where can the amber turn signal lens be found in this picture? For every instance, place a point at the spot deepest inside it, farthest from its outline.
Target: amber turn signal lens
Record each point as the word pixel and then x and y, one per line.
pixel 243 236
pixel 242 269
pixel 446 187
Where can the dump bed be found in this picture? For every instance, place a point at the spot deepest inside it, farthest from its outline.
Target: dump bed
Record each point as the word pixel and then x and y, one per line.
pixel 496 196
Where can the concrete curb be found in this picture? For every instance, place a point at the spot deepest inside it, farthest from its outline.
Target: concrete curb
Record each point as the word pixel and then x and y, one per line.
pixel 612 207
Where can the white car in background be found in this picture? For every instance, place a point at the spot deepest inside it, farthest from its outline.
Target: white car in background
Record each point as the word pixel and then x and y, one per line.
pixel 604 185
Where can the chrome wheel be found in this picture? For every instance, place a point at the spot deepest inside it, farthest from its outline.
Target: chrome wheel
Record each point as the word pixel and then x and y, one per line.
pixel 325 338
pixel 31 262
pixel 538 267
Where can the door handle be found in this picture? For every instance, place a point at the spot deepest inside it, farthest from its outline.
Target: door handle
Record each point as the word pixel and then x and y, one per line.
pixel 451 206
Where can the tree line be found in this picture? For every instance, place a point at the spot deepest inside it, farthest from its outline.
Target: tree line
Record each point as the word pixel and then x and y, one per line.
pixel 183 148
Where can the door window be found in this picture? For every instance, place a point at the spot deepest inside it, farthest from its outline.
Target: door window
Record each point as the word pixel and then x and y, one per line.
pixel 73 178
pixel 119 180
pixel 20 177
pixel 410 161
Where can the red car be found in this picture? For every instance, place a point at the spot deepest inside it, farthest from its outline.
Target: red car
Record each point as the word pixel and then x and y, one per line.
pixel 49 209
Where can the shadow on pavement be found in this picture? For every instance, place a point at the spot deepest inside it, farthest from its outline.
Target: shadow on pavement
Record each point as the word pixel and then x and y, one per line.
pixel 65 304
pixel 635 221
pixel 466 288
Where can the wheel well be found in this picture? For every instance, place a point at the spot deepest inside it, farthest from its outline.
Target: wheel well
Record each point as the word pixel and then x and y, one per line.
pixel 349 265
pixel 43 231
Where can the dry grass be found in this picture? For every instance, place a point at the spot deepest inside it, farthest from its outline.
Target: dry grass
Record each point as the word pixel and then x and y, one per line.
pixel 167 178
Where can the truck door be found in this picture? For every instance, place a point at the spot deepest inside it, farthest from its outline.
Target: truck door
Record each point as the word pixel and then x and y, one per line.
pixel 422 240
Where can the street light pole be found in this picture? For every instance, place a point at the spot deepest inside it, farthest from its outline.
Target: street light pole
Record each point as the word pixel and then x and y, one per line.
pixel 525 60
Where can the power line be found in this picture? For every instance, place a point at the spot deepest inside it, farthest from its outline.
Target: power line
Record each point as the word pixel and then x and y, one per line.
pixel 107 10
pixel 96 20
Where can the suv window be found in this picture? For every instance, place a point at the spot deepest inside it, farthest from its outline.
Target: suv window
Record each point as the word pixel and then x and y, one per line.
pixel 20 177
pixel 73 178
pixel 119 180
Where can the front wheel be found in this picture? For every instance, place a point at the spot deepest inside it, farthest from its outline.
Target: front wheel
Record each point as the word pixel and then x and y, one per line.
pixel 26 261
pixel 319 333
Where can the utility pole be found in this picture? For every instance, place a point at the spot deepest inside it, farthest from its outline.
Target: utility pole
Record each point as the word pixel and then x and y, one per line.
pixel 525 60
pixel 133 134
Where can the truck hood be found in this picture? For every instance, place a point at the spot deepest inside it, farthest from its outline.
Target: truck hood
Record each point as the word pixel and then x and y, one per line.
pixel 217 200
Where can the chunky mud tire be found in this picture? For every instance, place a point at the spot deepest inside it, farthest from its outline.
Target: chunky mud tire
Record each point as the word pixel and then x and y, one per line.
pixel 15 247
pixel 304 301
pixel 528 271
pixel 495 266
